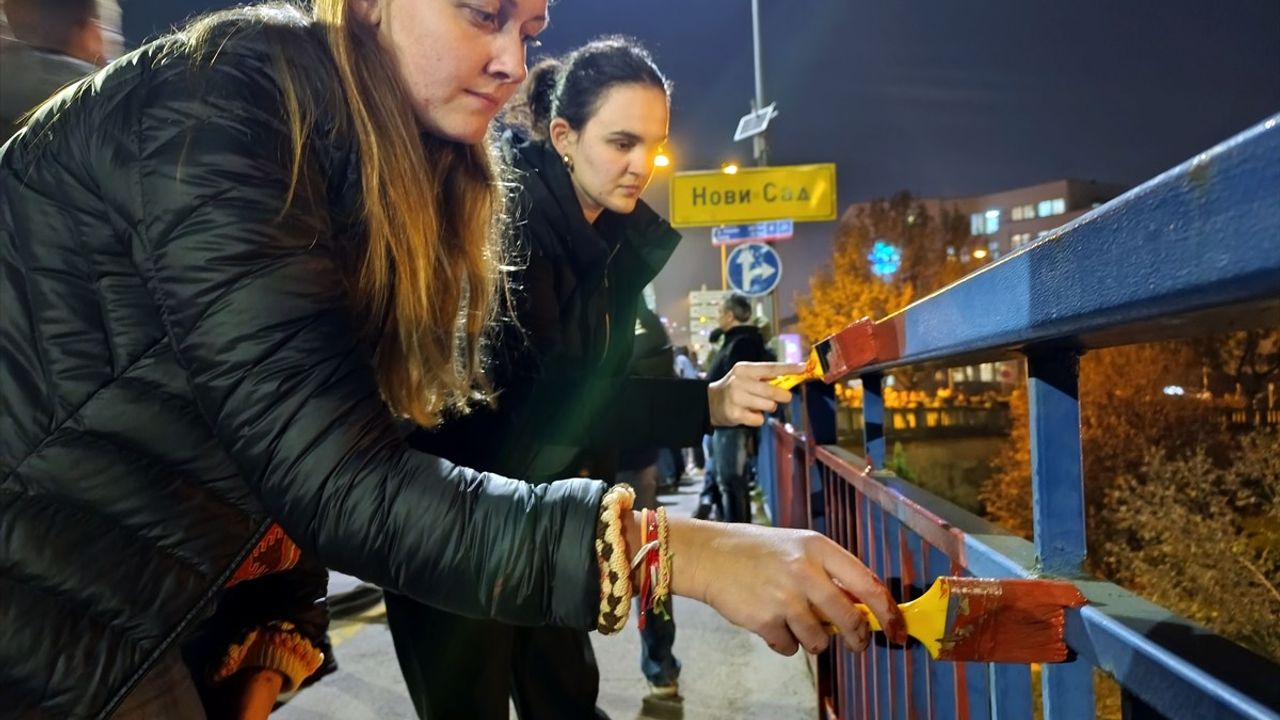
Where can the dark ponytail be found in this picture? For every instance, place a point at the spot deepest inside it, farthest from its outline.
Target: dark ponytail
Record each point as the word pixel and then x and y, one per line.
pixel 571 88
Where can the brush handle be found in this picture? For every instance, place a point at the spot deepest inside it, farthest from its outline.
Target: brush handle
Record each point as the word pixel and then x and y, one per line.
pixel 786 382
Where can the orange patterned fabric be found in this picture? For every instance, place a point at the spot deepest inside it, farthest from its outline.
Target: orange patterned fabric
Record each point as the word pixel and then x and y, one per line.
pixel 275 553
pixel 276 646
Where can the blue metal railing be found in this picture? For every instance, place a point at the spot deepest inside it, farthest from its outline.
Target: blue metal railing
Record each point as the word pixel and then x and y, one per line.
pixel 1194 251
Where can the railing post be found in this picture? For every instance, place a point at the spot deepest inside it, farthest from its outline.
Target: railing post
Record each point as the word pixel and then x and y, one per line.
pixel 1057 494
pixel 820 429
pixel 873 418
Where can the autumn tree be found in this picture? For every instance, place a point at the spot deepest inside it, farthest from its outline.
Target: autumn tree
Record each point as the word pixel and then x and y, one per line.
pixel 1192 528
pixel 849 289
pixel 1169 491
pixel 1246 362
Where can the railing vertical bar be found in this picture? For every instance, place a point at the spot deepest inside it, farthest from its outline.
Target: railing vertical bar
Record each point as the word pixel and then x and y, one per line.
pixel 873 418
pixel 945 694
pixel 974 680
pixel 1057 492
pixel 841 513
pixel 831 662
pixel 1011 691
pixel 913 575
pixel 870 670
pixel 897 656
pixel 884 671
pixel 1057 476
pixel 871 543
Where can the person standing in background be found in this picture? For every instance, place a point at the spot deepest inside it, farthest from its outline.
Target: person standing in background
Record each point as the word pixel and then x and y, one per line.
pixel 53 43
pixel 743 342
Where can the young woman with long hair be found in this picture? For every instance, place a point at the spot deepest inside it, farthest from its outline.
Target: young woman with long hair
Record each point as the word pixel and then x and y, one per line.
pixel 232 260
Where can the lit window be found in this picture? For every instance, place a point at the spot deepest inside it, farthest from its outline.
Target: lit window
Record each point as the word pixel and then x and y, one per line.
pixel 994 248
pixel 992 222
pixel 976 224
pixel 1059 206
pixel 1045 209
pixel 1016 213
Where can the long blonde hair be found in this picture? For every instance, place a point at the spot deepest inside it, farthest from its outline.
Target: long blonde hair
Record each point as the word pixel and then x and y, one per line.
pixel 433 213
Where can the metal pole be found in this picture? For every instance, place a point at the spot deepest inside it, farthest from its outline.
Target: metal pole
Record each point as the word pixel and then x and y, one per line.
pixel 761 145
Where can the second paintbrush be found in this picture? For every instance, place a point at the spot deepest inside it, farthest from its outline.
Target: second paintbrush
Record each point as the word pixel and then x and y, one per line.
pixel 990 620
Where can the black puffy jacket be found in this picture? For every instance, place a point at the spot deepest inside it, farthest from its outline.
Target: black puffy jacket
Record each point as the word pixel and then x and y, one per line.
pixel 179 368
pixel 567 399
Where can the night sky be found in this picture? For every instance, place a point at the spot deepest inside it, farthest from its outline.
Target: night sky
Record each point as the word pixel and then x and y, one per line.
pixel 940 97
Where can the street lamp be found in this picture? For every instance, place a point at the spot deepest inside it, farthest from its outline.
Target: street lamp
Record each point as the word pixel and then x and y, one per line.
pixel 661 160
pixel 729 168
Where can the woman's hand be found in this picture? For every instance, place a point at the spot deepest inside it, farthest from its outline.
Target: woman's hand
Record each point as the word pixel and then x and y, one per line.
pixel 252 693
pixel 780 584
pixel 744 396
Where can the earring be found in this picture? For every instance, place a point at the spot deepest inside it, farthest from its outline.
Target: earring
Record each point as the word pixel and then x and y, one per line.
pixel 568 161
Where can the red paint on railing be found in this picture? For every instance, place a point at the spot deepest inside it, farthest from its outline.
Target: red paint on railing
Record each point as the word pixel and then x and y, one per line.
pixel 924 523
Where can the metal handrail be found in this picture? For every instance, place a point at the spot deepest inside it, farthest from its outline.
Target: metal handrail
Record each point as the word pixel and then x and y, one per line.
pixel 1194 251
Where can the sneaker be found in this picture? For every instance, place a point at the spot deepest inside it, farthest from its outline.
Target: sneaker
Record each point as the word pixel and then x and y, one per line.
pixel 665 691
pixel 703 512
pixel 663 702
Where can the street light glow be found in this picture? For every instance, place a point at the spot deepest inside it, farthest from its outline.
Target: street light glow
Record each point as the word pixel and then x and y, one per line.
pixel 979 253
pixel 661 160
pixel 729 168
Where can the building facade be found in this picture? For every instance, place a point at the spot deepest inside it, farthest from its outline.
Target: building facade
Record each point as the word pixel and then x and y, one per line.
pixel 1005 221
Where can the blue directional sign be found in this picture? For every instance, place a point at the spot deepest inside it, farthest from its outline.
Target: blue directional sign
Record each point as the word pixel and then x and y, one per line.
pixel 755 232
pixel 754 269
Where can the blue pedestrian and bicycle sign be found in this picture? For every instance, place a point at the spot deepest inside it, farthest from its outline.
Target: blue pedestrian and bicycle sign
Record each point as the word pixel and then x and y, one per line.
pixel 754 269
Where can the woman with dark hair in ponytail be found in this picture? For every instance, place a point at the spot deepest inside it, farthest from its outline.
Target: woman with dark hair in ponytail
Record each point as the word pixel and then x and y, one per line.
pixel 585 131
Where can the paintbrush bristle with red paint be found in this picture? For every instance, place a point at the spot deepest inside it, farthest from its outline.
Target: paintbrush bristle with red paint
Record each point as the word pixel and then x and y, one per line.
pixel 986 620
pixel 834 357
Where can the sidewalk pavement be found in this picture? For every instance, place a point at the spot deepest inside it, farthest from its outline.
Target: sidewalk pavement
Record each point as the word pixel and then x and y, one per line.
pixel 729 674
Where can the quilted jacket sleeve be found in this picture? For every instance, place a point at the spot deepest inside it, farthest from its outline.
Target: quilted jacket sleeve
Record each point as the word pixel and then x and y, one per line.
pixel 255 307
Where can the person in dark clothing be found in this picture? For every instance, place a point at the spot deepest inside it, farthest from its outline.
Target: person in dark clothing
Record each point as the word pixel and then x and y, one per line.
pixel 58 42
pixel 566 404
pixel 652 356
pixel 709 499
pixel 231 261
pixel 742 343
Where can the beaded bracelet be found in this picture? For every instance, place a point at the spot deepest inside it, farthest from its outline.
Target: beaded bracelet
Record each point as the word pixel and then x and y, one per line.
pixel 611 560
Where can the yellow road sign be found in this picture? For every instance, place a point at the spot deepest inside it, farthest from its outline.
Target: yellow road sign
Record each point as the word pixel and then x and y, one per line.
pixel 712 197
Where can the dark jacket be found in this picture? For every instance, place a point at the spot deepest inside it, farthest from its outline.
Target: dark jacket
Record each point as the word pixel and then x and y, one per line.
pixel 742 343
pixel 566 400
pixel 179 368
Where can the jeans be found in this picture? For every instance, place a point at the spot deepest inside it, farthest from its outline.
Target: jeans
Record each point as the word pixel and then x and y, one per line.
pixel 710 491
pixel 729 449
pixel 657 662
